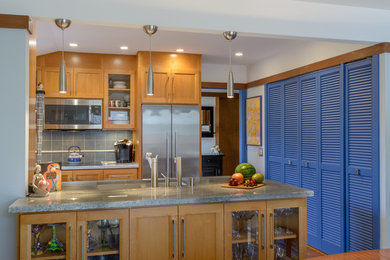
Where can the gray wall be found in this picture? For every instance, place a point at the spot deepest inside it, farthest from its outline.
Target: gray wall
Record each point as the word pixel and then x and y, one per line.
pixel 14 131
pixel 87 140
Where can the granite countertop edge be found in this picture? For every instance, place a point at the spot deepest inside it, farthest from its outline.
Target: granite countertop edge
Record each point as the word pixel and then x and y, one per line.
pixel 15 209
pixel 93 167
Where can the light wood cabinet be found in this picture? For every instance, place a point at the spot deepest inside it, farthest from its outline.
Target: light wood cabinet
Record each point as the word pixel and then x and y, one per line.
pixel 88 83
pixel 88 175
pixel 120 174
pixel 286 228
pixel 185 87
pixel 162 87
pixel 245 230
pixel 67 176
pixel 154 233
pixel 51 80
pixel 47 236
pixel 201 232
pixel 103 233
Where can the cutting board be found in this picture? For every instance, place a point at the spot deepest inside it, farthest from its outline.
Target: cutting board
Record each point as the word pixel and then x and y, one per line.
pixel 226 185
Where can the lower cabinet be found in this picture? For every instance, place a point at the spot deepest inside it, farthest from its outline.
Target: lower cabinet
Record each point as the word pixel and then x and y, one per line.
pixel 99 175
pixel 88 175
pixel 274 229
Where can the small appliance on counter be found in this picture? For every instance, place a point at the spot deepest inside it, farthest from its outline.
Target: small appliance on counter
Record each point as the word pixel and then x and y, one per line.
pixel 124 151
pixel 74 157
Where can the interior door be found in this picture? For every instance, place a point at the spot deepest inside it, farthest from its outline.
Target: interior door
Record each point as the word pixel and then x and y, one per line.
pixel 185 88
pixel 51 81
pixel 88 83
pixel 154 233
pixel 186 139
pixel 201 232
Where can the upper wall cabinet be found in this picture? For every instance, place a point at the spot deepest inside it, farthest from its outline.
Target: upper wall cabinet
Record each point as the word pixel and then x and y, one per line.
pixel 176 79
pixel 88 83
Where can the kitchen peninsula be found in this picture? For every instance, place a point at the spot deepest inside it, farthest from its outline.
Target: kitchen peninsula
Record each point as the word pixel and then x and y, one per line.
pixel 204 221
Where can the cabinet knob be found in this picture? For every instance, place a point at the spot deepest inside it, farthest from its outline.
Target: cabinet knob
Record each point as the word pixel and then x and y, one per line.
pixel 357 171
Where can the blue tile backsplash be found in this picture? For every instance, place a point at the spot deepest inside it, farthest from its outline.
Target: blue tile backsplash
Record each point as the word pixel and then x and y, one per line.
pixel 54 140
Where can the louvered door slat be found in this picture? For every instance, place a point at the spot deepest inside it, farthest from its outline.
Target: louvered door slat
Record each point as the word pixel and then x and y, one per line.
pixel 291 138
pixel 362 199
pixel 332 161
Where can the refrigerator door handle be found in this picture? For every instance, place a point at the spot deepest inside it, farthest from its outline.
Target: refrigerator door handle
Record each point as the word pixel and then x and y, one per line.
pixel 175 145
pixel 167 154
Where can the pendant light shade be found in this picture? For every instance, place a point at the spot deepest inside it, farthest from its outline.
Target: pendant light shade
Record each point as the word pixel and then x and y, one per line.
pixel 230 35
pixel 63 24
pixel 150 30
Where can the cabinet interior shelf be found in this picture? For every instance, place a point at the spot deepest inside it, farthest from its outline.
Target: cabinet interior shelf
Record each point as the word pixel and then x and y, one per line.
pixel 60 255
pixel 119 89
pixel 119 108
pixel 103 252
pixel 285 236
pixel 244 239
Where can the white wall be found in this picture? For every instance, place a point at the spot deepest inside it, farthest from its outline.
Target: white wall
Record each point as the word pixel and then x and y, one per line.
pixel 13 132
pixel 219 73
pixel 253 151
pixel 384 90
pixel 208 142
pixel 302 55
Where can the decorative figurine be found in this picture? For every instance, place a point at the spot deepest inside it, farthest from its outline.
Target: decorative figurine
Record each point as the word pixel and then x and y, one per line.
pixel 215 149
pixel 54 244
pixel 39 183
pixel 37 249
pixel 89 240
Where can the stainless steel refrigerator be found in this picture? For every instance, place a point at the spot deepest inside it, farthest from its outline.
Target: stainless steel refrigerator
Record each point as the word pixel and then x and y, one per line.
pixel 171 131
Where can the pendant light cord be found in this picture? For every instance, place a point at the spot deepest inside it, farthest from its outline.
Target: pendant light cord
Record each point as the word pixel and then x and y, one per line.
pixel 230 54
pixel 63 45
pixel 150 50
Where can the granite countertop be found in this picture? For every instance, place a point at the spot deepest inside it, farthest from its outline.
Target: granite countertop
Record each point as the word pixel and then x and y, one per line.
pixel 137 193
pixel 98 165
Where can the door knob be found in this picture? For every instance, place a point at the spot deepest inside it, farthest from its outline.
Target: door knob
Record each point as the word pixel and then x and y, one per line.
pixel 357 172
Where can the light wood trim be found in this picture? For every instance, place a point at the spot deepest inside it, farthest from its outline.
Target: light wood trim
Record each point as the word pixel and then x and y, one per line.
pixel 27 220
pixel 15 22
pixel 219 85
pixel 216 116
pixel 347 57
pixel 121 214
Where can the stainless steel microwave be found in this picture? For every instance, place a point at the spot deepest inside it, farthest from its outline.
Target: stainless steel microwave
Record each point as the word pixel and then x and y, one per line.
pixel 73 114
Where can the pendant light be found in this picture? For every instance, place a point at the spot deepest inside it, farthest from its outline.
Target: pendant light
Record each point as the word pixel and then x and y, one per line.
pixel 150 30
pixel 230 35
pixel 63 23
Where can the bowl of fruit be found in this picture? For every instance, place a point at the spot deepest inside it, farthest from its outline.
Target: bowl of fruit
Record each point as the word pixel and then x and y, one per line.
pixel 239 181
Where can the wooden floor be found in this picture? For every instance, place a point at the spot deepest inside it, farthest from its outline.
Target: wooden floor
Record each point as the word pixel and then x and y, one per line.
pixel 312 252
pixel 382 254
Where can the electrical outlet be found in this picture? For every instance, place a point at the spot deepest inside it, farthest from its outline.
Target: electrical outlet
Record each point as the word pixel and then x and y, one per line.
pixel 261 152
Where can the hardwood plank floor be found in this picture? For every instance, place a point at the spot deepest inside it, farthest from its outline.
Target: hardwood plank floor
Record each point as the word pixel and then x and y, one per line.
pixel 312 252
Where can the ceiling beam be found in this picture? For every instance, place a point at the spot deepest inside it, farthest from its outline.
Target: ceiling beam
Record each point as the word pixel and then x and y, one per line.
pixel 15 22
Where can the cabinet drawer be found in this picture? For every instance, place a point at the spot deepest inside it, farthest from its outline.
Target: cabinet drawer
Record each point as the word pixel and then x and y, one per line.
pixel 88 175
pixel 67 176
pixel 120 174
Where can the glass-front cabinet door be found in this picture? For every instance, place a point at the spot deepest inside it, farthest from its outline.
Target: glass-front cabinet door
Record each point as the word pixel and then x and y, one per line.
pixel 103 235
pixel 48 236
pixel 245 236
pixel 287 225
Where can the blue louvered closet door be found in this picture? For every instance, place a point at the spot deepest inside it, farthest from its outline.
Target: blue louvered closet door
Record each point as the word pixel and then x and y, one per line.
pixel 309 154
pixel 274 165
pixel 331 154
pixel 362 154
pixel 291 133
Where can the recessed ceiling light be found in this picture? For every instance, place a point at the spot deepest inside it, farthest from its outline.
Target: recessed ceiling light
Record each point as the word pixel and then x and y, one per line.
pixel 73 44
pixel 180 50
pixel 173 55
pixel 124 47
pixel 238 54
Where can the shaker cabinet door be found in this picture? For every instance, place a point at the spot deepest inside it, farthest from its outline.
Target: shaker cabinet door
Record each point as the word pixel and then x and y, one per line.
pixel 88 83
pixel 185 88
pixel 162 91
pixel 51 81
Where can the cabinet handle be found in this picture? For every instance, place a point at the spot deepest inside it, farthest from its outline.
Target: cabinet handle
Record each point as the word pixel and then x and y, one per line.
pixel 183 254
pixel 169 90
pixel 272 230
pixel 173 86
pixel 307 164
pixel 357 171
pixel 70 243
pixel 75 85
pixel 174 238
pixel 82 242
pixel 264 233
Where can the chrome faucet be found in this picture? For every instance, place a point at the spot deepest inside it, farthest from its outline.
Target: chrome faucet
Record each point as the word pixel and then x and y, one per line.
pixel 153 163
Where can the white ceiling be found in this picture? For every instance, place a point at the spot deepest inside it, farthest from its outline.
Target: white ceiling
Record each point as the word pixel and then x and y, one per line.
pixel 108 39
pixel 375 4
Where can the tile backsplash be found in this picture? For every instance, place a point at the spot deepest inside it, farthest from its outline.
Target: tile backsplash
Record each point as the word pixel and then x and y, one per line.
pixel 54 140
